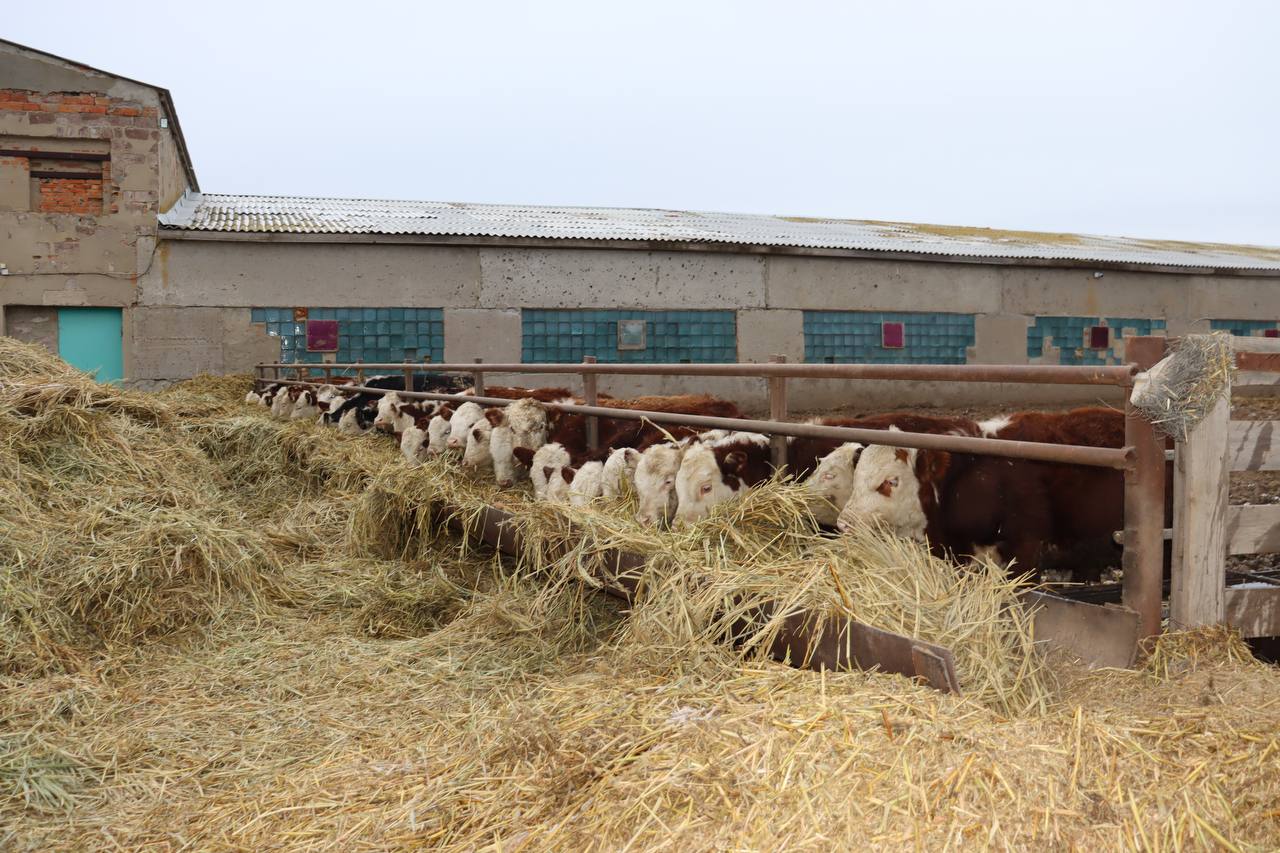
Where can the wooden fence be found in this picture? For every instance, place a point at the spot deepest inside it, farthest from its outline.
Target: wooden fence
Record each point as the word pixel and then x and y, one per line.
pixel 1207 528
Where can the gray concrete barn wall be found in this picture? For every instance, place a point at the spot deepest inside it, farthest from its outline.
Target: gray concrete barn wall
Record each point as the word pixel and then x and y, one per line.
pixel 203 290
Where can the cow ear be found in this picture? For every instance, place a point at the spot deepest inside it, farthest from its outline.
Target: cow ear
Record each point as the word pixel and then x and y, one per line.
pixel 494 416
pixel 568 473
pixel 422 422
pixel 631 456
pixel 931 466
pixel 523 455
pixel 735 461
pixel 445 412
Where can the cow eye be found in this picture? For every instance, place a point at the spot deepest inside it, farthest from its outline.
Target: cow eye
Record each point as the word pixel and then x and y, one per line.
pixel 892 481
pixel 829 475
pixel 706 488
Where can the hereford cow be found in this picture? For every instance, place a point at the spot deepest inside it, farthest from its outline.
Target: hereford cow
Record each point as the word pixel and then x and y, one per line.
pixel 825 466
pixel 414 442
pixel 960 503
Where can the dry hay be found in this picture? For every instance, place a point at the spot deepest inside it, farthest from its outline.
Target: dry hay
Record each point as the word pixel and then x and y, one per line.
pixel 1179 391
pixel 407 695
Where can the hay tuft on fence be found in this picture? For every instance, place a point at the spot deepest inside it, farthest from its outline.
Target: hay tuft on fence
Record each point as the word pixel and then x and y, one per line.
pixel 1179 391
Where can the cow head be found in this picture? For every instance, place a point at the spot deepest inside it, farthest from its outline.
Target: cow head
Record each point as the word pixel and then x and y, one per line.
pixel 438 430
pixel 619 468
pixel 413 445
pixel 655 481
pixel 385 419
pixel 546 465
pixel 460 426
pixel 830 485
pixel 705 480
pixel 895 486
pixel 477 453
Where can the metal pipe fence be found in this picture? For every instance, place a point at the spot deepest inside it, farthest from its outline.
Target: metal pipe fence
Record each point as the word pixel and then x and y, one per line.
pixel 1142 459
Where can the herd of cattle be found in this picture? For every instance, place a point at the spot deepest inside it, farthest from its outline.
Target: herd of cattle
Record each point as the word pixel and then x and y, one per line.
pixel 1041 516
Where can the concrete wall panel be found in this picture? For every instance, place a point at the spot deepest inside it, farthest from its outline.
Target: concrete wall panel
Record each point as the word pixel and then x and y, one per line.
pixel 599 278
pixel 859 284
pixel 209 273
pixel 33 324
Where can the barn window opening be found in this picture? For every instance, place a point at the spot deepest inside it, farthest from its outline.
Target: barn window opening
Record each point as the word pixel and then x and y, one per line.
pixel 893 335
pixel 54 176
pixel 1099 337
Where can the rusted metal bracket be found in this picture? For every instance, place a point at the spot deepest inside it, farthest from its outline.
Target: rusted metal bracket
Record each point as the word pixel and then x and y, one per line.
pixel 1099 635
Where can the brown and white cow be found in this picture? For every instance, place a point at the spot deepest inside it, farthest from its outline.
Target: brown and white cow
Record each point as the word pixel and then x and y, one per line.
pixel 960 503
pixel 825 466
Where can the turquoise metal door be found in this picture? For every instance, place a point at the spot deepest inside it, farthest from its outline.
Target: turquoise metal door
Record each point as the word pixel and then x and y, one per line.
pixel 91 339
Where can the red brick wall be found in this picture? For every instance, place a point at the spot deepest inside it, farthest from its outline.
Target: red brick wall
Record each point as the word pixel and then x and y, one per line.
pixel 69 195
pixel 135 115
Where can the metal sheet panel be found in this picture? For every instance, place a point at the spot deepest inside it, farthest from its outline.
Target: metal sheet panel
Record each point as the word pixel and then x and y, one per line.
pixel 300 215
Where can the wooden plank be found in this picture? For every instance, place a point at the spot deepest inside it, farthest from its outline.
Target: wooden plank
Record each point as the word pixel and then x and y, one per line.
pixel 1255 344
pixel 1255 611
pixel 1253 529
pixel 1096 634
pixel 1201 482
pixel 1254 446
pixel 1255 379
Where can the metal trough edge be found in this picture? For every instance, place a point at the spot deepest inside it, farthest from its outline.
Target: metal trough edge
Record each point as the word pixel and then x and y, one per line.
pixel 841 643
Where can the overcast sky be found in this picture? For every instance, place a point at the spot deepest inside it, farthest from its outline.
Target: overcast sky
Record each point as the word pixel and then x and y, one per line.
pixel 1156 119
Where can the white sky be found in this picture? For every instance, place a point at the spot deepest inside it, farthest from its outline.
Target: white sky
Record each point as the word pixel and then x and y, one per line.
pixel 1154 119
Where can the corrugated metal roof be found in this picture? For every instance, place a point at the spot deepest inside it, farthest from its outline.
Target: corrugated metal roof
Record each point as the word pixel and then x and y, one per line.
pixel 299 215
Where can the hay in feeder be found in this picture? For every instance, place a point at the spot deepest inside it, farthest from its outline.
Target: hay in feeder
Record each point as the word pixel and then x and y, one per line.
pixel 1178 392
pixel 364 693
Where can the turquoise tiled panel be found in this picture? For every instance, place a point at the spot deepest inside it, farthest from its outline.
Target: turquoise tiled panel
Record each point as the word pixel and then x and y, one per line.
pixel 1068 334
pixel 844 337
pixel 371 334
pixel 670 336
pixel 1244 328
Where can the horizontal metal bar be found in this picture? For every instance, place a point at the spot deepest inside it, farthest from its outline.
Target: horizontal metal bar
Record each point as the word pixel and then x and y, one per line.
pixel 1098 457
pixel 1040 374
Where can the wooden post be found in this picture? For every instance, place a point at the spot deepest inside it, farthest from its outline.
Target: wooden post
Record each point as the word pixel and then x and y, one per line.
pixel 359 371
pixel 1143 560
pixel 778 412
pixel 408 378
pixel 477 380
pixel 1200 486
pixel 328 376
pixel 589 396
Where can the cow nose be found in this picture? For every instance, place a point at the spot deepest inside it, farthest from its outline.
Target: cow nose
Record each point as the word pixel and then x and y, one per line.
pixel 505 484
pixel 842 525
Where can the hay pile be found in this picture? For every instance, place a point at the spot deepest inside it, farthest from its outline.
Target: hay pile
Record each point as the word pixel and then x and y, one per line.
pixel 345 688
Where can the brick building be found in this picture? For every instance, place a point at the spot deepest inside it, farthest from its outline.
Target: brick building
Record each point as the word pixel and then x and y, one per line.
pixel 116 259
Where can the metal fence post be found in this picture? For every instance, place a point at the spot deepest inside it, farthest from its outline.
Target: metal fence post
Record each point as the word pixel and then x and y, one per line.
pixel 778 412
pixel 589 396
pixel 477 379
pixel 1144 487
